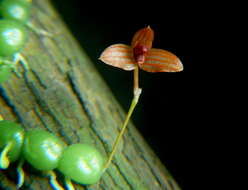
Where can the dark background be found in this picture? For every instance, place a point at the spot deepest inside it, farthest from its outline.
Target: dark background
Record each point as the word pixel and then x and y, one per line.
pixel 178 113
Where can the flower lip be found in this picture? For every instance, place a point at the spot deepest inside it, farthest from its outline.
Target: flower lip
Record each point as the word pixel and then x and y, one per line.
pixel 139 53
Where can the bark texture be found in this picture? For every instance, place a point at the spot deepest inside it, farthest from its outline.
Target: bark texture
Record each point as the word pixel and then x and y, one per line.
pixel 63 93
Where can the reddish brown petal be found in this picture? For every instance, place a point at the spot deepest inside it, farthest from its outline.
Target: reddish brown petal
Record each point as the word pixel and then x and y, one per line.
pixel 144 37
pixel 119 55
pixel 158 60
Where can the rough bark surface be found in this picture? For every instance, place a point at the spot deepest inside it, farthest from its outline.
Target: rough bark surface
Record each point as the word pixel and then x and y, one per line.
pixel 63 93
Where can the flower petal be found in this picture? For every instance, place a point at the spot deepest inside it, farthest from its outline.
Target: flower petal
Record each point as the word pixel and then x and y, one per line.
pixel 144 37
pixel 119 55
pixel 158 60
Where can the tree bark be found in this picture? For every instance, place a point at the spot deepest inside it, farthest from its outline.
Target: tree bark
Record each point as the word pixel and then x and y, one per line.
pixel 63 93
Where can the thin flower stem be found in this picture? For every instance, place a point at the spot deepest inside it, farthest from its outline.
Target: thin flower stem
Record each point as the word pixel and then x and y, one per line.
pixel 136 78
pixel 137 92
pixel 136 89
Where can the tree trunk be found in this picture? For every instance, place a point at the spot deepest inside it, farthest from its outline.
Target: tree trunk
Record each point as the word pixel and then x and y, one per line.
pixel 64 94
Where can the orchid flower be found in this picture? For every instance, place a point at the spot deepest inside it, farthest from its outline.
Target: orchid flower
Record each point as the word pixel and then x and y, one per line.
pixel 139 55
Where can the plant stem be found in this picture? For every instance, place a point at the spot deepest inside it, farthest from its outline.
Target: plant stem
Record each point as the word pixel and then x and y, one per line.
pixel 136 79
pixel 135 100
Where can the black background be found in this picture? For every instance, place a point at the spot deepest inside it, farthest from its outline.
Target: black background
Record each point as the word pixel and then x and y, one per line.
pixel 178 113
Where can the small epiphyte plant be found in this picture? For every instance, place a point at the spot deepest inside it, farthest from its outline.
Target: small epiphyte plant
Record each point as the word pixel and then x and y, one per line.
pixel 81 163
pixel 14 20
pixel 139 55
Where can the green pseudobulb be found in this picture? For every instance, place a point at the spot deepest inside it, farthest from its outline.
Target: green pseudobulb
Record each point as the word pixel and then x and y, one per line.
pixel 42 149
pixel 81 163
pixel 11 132
pixel 13 36
pixel 18 10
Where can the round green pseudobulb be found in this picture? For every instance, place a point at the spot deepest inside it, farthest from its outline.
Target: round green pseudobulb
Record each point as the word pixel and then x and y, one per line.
pixel 5 72
pixel 42 149
pixel 13 36
pixel 11 132
pixel 81 163
pixel 15 10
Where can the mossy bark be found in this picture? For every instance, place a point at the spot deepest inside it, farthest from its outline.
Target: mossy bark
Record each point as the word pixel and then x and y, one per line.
pixel 64 94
